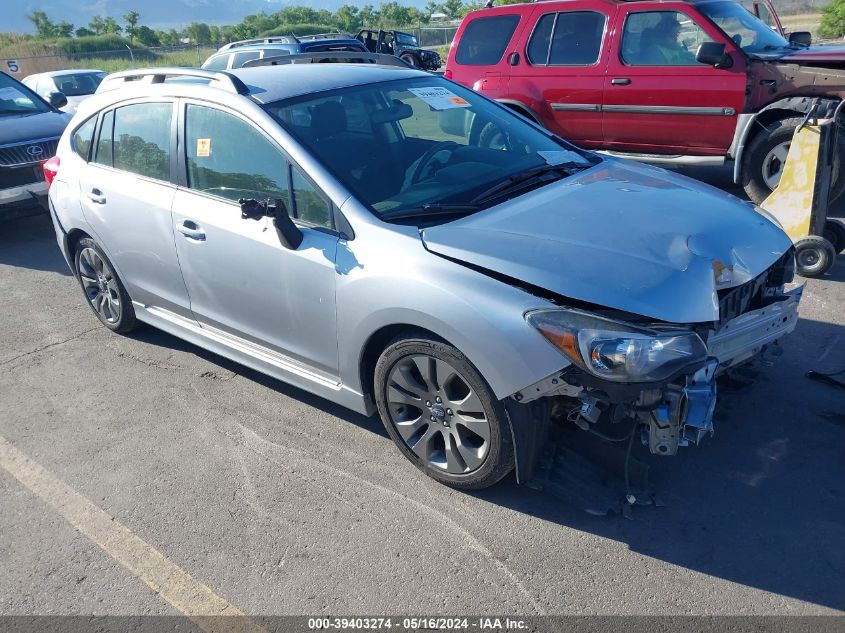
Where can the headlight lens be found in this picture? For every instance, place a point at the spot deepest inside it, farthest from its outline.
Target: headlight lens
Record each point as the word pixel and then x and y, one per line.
pixel 618 351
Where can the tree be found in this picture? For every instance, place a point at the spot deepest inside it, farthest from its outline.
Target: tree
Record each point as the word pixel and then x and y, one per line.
pixel 198 33
pixel 131 20
pixel 44 27
pixel 64 29
pixel 431 8
pixel 146 36
pixel 369 16
pixel 453 8
pixel 833 19
pixel 84 32
pixel 110 25
pixel 97 25
pixel 168 38
pixel 348 18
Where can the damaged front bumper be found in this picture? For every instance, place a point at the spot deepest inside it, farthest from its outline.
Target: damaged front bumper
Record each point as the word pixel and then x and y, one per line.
pixel 676 413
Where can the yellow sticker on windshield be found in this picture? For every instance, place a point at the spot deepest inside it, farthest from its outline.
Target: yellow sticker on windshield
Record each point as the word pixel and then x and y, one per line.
pixel 203 147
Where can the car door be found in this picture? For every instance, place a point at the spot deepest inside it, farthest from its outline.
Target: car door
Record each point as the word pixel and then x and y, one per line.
pixel 657 98
pixel 242 281
pixel 126 192
pixel 564 62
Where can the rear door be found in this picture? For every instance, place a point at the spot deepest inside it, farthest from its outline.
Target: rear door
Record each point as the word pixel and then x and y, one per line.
pixel 562 69
pixel 126 194
pixel 657 98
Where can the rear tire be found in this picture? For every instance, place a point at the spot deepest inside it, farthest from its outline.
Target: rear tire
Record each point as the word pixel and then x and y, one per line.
pixel 103 290
pixel 441 413
pixel 834 232
pixel 814 256
pixel 410 59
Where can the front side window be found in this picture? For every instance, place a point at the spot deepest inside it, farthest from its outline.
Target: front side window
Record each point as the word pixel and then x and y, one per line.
pixel 428 142
pixel 567 39
pixel 229 158
pixel 84 137
pixel 218 62
pixel 484 40
pixel 661 38
pixel 142 139
pixel 308 204
pixel 239 59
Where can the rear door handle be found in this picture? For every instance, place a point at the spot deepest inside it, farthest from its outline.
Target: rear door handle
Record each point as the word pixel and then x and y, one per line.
pixel 621 81
pixel 96 196
pixel 191 230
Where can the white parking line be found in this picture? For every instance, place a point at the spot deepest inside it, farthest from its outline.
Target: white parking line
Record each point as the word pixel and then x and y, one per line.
pixel 193 598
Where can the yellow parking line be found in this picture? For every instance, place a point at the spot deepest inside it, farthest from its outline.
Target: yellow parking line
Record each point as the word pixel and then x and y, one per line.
pixel 171 582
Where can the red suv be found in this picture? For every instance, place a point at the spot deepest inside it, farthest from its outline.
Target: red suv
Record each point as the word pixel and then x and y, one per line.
pixel 682 81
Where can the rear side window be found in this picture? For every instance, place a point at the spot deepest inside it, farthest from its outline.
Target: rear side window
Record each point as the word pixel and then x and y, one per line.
pixel 484 40
pixel 567 39
pixel 84 137
pixel 239 59
pixel 218 62
pixel 142 139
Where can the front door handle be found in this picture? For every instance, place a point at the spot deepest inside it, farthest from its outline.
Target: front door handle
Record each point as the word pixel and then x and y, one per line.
pixel 96 196
pixel 621 81
pixel 191 230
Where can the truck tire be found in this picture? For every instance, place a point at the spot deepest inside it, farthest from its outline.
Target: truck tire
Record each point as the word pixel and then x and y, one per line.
pixel 762 164
pixel 410 59
pixel 814 256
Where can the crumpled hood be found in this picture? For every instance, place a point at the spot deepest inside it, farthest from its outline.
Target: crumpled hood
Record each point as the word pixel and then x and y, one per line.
pixel 817 54
pixel 20 129
pixel 621 235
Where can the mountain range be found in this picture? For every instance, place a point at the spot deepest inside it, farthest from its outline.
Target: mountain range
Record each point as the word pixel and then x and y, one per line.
pixel 156 13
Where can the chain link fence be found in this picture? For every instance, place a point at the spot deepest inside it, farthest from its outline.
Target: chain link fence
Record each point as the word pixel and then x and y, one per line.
pixel 109 61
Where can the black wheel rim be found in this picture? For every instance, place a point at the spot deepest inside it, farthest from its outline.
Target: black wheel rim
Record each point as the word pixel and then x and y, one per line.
pixel 100 285
pixel 438 414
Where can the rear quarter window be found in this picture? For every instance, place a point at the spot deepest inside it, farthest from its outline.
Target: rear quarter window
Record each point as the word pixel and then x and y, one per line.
pixel 484 40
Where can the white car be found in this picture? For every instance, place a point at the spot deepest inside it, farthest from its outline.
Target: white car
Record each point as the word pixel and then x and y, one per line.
pixel 75 84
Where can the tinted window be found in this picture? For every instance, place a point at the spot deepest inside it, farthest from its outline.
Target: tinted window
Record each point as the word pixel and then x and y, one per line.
pixel 83 138
pixel 239 59
pixel 103 155
pixel 538 46
pixel 15 98
pixel 577 38
pixel 229 158
pixel 79 84
pixel 661 38
pixel 484 40
pixel 218 62
pixel 142 139
pixel 309 205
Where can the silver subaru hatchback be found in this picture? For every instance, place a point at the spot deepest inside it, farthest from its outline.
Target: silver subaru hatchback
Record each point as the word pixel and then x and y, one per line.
pixel 396 243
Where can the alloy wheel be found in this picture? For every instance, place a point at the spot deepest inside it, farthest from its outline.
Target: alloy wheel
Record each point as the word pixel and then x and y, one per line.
pixel 437 414
pixel 100 285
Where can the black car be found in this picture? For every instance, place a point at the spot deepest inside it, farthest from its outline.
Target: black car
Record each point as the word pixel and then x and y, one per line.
pixel 404 45
pixel 30 128
pixel 236 54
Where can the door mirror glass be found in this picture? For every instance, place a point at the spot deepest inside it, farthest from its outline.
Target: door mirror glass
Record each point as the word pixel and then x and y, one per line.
pixel 57 99
pixel 713 54
pixel 802 38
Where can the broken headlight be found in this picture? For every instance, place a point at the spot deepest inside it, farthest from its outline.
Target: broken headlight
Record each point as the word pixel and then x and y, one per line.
pixel 618 351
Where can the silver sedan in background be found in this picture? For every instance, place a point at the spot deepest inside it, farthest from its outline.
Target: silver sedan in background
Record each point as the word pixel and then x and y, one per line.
pixel 398 244
pixel 76 85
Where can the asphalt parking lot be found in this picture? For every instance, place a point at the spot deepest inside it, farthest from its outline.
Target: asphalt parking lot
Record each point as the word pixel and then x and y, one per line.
pixel 282 503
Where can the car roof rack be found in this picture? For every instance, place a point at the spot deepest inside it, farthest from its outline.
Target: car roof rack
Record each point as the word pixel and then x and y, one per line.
pixel 276 39
pixel 310 58
pixel 216 78
pixel 326 36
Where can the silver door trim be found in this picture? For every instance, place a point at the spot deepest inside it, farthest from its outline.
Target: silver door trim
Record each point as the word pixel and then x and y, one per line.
pixel 576 107
pixel 643 109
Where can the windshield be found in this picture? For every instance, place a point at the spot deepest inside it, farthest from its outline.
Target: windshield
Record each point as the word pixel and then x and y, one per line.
pixel 743 27
pixel 15 98
pixel 406 39
pixel 413 143
pixel 78 84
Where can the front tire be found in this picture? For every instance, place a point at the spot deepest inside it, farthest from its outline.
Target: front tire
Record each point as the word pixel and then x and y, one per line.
pixel 814 256
pixel 103 289
pixel 762 164
pixel 410 60
pixel 442 414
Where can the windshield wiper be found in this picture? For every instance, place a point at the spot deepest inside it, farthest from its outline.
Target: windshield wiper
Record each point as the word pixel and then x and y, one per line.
pixel 522 179
pixel 430 210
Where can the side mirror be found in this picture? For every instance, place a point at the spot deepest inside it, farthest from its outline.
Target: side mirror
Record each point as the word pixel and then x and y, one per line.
pixel 57 99
pixel 714 54
pixel 802 38
pixel 289 234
